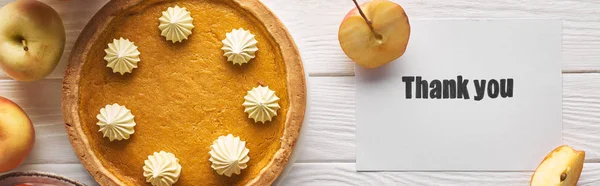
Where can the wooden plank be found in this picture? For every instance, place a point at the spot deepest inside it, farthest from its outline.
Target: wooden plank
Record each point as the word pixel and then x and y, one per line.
pixel 581 113
pixel 51 141
pixel 314 25
pixel 345 174
pixel 75 15
pixel 72 171
pixel 41 101
pixel 329 135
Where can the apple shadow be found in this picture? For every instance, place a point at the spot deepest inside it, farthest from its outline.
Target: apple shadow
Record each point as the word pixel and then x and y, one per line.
pixel 45 94
pixel 371 75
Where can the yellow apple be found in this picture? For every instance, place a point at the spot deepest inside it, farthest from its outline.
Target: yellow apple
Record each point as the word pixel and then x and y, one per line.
pixel 379 39
pixel 32 39
pixel 561 167
pixel 16 135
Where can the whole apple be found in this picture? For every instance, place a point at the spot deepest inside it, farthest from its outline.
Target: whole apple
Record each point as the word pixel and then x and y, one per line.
pixel 17 135
pixel 32 39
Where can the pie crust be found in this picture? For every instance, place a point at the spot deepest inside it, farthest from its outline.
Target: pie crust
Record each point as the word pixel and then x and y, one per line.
pixel 296 88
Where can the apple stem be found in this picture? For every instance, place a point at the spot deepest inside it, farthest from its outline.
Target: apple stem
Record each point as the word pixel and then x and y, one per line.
pixel 362 14
pixel 24 45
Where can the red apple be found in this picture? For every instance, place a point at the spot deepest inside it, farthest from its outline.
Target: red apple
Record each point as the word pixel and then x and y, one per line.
pixel 16 135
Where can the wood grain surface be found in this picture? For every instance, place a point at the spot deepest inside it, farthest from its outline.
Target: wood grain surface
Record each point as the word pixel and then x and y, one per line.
pixel 326 155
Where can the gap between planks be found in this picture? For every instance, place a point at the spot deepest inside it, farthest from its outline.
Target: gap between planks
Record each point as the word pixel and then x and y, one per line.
pixel 345 174
pixel 347 74
pixel 341 74
pixel 588 161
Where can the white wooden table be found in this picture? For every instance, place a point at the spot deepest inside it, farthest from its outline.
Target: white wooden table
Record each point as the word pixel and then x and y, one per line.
pixel 327 154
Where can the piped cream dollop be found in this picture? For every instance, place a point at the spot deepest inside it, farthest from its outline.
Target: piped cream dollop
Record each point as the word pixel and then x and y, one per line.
pixel 162 169
pixel 239 46
pixel 122 56
pixel 116 122
pixel 261 104
pixel 229 155
pixel 176 24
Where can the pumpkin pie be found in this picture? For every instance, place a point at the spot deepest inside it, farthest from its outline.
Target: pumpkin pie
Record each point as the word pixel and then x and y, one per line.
pixel 184 94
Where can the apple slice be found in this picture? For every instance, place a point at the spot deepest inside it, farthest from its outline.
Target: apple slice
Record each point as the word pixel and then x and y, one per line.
pixel 561 167
pixel 374 33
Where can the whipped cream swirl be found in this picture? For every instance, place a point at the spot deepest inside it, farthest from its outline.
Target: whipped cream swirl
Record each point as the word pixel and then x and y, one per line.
pixel 116 122
pixel 162 169
pixel 229 155
pixel 122 56
pixel 176 24
pixel 239 46
pixel 261 104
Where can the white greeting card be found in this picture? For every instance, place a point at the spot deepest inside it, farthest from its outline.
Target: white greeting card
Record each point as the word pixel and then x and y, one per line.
pixel 468 95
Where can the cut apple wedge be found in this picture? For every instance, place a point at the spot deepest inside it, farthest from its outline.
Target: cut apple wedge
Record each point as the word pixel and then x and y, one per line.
pixel 561 167
pixel 375 34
